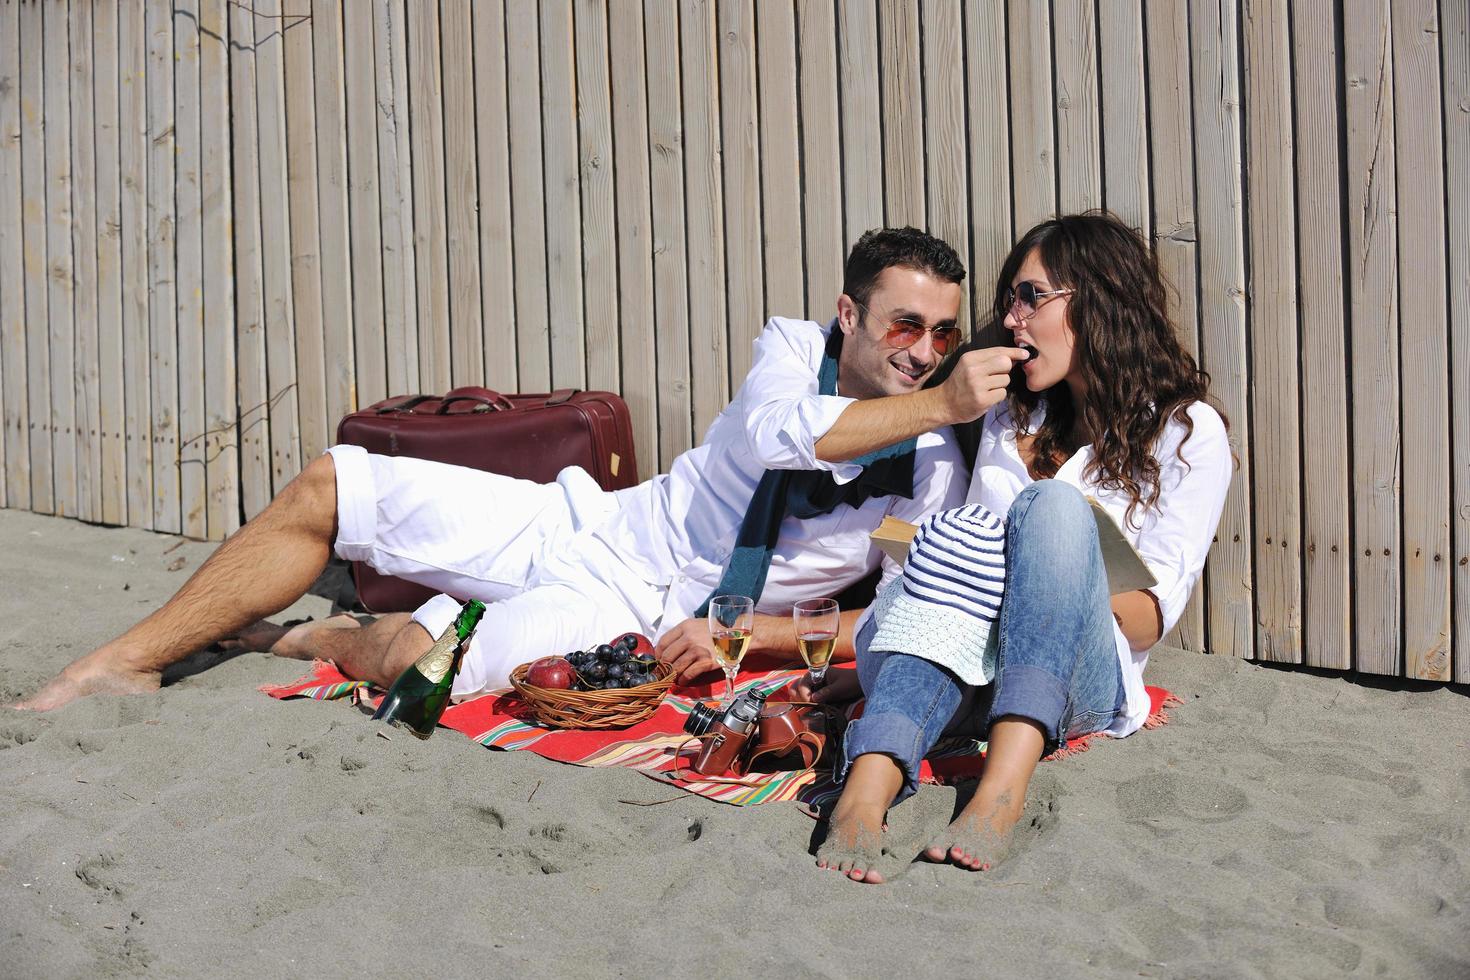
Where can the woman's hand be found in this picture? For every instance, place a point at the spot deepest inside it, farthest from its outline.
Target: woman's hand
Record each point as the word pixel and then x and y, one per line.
pixel 837 687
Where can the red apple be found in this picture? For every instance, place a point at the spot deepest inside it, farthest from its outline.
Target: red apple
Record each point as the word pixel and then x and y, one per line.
pixel 635 643
pixel 551 672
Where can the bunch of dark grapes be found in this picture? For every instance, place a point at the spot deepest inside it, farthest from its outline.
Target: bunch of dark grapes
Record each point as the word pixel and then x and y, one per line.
pixel 610 667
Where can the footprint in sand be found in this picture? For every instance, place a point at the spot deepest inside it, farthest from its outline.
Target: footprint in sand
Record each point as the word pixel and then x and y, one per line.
pixel 1156 799
pixel 13 737
pixel 96 873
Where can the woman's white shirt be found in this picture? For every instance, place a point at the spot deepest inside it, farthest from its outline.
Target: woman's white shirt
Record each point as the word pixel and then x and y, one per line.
pixel 1173 536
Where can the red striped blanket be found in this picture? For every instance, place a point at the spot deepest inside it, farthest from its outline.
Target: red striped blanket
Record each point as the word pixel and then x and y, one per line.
pixel 497 721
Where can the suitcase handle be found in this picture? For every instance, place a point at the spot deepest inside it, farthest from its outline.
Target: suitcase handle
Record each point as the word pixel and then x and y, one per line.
pixel 493 400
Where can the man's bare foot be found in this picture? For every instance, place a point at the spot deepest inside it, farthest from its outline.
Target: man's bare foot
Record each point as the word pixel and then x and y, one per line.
pixel 96 673
pixel 981 835
pixel 297 641
pixel 854 842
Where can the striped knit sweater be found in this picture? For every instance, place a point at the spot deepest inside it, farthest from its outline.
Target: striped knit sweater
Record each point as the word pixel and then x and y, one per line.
pixel 945 604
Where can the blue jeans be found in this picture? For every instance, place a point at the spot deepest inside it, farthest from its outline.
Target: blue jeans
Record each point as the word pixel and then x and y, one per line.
pixel 1056 662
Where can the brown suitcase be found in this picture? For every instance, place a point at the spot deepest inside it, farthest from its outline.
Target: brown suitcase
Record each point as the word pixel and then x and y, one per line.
pixel 532 437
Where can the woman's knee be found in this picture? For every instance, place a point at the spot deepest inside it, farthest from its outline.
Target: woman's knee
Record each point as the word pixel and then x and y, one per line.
pixel 1055 510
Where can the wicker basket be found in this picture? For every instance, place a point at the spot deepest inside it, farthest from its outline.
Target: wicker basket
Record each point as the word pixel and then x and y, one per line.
pixel 592 709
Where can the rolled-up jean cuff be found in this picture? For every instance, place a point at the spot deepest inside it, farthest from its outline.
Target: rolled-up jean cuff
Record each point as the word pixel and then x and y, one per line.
pixel 357 503
pixel 887 733
pixel 1030 692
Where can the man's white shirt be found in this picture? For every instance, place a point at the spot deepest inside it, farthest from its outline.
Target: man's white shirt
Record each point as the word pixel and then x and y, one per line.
pixel 676 531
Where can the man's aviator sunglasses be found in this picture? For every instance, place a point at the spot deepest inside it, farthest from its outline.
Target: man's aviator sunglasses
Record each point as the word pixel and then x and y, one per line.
pixel 1029 297
pixel 904 333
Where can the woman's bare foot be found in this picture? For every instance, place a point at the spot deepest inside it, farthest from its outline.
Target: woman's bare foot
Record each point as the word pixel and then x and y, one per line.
pixel 103 671
pixel 981 835
pixel 297 641
pixel 854 842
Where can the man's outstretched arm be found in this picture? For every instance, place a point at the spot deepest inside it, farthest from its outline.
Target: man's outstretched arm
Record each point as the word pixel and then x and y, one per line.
pixel 977 383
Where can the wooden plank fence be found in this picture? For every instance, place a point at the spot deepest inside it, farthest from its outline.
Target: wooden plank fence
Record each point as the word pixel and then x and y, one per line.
pixel 225 223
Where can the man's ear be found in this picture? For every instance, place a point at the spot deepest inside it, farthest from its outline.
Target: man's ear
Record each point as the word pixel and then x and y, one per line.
pixel 847 314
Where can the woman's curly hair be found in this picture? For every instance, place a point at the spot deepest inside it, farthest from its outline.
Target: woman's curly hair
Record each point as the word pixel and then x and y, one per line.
pixel 1137 374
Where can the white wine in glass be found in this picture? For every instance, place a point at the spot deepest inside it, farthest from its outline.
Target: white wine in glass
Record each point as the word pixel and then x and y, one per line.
pixel 816 623
pixel 731 618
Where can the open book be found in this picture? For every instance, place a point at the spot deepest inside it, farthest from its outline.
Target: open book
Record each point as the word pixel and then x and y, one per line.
pixel 1126 569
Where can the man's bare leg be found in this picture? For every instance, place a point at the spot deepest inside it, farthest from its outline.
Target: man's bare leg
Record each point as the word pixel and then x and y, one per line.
pixel 376 653
pixel 298 642
pixel 260 570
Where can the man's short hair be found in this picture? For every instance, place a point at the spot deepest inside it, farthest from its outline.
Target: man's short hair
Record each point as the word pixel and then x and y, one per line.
pixel 906 248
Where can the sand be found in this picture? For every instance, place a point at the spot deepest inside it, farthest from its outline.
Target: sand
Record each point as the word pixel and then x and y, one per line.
pixel 1285 824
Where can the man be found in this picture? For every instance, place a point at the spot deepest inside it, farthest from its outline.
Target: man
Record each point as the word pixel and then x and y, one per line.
pixel 833 419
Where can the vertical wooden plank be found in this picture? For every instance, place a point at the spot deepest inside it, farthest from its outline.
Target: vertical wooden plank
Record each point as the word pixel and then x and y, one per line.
pixel 1374 302
pixel 221 439
pixel 17 490
pixel 430 238
pixel 163 336
pixel 821 156
pixel 395 175
pixel 296 32
pixel 364 214
pixel 33 238
pixel 254 422
pixel 332 229
pixel 637 333
pixel 1079 151
pixel 1125 163
pixel 497 266
pixel 739 150
pixel 1423 318
pixel 85 382
pixel 1273 330
pixel 1033 142
pixel 1213 30
pixel 903 117
pixel 112 432
pixel 599 223
pixel 1454 34
pixel 60 277
pixel 991 230
pixel 133 147
pixel 947 194
pixel 670 252
pixel 780 163
pixel 528 214
pixel 189 268
pixel 466 341
pixel 1327 603
pixel 1171 140
pixel 275 232
pixel 862 125
pixel 563 204
pixel 708 338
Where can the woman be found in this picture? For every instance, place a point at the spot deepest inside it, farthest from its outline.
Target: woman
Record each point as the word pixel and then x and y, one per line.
pixel 1113 408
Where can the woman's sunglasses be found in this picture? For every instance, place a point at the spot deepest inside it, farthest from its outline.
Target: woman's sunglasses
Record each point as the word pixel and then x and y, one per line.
pixel 1029 297
pixel 904 333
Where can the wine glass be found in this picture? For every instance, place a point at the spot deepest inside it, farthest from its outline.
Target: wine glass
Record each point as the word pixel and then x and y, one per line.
pixel 816 634
pixel 730 620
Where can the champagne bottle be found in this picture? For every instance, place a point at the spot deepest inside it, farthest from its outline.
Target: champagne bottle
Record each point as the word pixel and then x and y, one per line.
pixel 419 696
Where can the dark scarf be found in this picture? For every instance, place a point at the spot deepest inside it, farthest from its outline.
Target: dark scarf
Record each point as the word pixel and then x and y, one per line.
pixel 805 494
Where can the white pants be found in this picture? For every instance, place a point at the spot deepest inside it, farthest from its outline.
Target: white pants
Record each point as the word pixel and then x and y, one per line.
pixel 518 546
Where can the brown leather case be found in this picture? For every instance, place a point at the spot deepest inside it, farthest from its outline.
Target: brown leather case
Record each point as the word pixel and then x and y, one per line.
pixel 532 437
